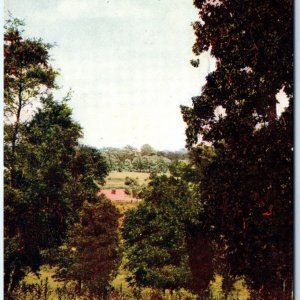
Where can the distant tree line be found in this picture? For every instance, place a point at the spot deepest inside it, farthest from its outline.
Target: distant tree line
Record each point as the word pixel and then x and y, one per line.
pixel 147 159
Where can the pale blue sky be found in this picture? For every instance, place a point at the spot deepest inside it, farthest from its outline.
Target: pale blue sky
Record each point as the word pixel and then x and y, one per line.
pixel 127 62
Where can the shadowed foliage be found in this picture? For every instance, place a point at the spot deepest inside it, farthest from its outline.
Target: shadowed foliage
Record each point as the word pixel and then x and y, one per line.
pixel 247 189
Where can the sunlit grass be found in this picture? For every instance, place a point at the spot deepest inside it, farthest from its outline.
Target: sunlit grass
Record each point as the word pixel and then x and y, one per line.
pixel 46 272
pixel 239 291
pixel 125 291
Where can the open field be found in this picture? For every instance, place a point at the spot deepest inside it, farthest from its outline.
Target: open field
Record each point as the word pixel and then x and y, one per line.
pixel 115 180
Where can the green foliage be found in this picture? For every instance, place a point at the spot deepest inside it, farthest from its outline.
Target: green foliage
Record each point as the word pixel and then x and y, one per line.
pixel 37 205
pixel 148 160
pixel 247 188
pixel 147 150
pixel 133 187
pixel 155 232
pixel 90 163
pixel 27 77
pixel 93 253
pixel 33 291
pixel 42 290
pixel 88 171
pixel 26 67
pixel 174 155
pixel 130 181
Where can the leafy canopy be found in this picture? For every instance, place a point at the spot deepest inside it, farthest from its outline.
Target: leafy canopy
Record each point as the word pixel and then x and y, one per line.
pixel 155 231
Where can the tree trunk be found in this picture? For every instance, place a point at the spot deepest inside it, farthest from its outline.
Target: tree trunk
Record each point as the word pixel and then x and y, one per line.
pixel 200 261
pixel 15 134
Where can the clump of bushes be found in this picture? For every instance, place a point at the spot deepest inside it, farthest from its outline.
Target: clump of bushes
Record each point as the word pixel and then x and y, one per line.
pixel 133 187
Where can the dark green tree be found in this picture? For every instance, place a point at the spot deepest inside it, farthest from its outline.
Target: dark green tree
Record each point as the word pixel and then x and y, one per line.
pixel 247 190
pixel 92 255
pixel 139 163
pixel 89 169
pixel 54 177
pixel 36 206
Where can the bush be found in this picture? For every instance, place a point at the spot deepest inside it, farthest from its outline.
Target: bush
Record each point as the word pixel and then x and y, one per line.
pixel 130 181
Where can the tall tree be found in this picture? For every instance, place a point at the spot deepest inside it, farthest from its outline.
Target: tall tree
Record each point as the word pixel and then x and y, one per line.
pixel 27 76
pixel 248 187
pixel 147 150
pixel 88 169
pixel 92 257
pixel 37 205
pixel 54 176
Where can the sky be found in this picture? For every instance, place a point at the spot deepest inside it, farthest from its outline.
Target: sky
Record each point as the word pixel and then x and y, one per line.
pixel 127 63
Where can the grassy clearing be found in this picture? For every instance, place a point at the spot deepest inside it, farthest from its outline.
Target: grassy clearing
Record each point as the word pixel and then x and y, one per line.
pixel 115 180
pixel 119 284
pixel 123 288
pixel 46 273
pixel 124 206
pixel 126 292
pixel 239 291
pixel 43 285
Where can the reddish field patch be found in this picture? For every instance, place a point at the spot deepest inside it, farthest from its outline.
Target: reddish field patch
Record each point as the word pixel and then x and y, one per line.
pixel 118 195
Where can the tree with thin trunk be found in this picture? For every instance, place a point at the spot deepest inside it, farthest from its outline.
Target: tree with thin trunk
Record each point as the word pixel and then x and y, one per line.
pixel 28 76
